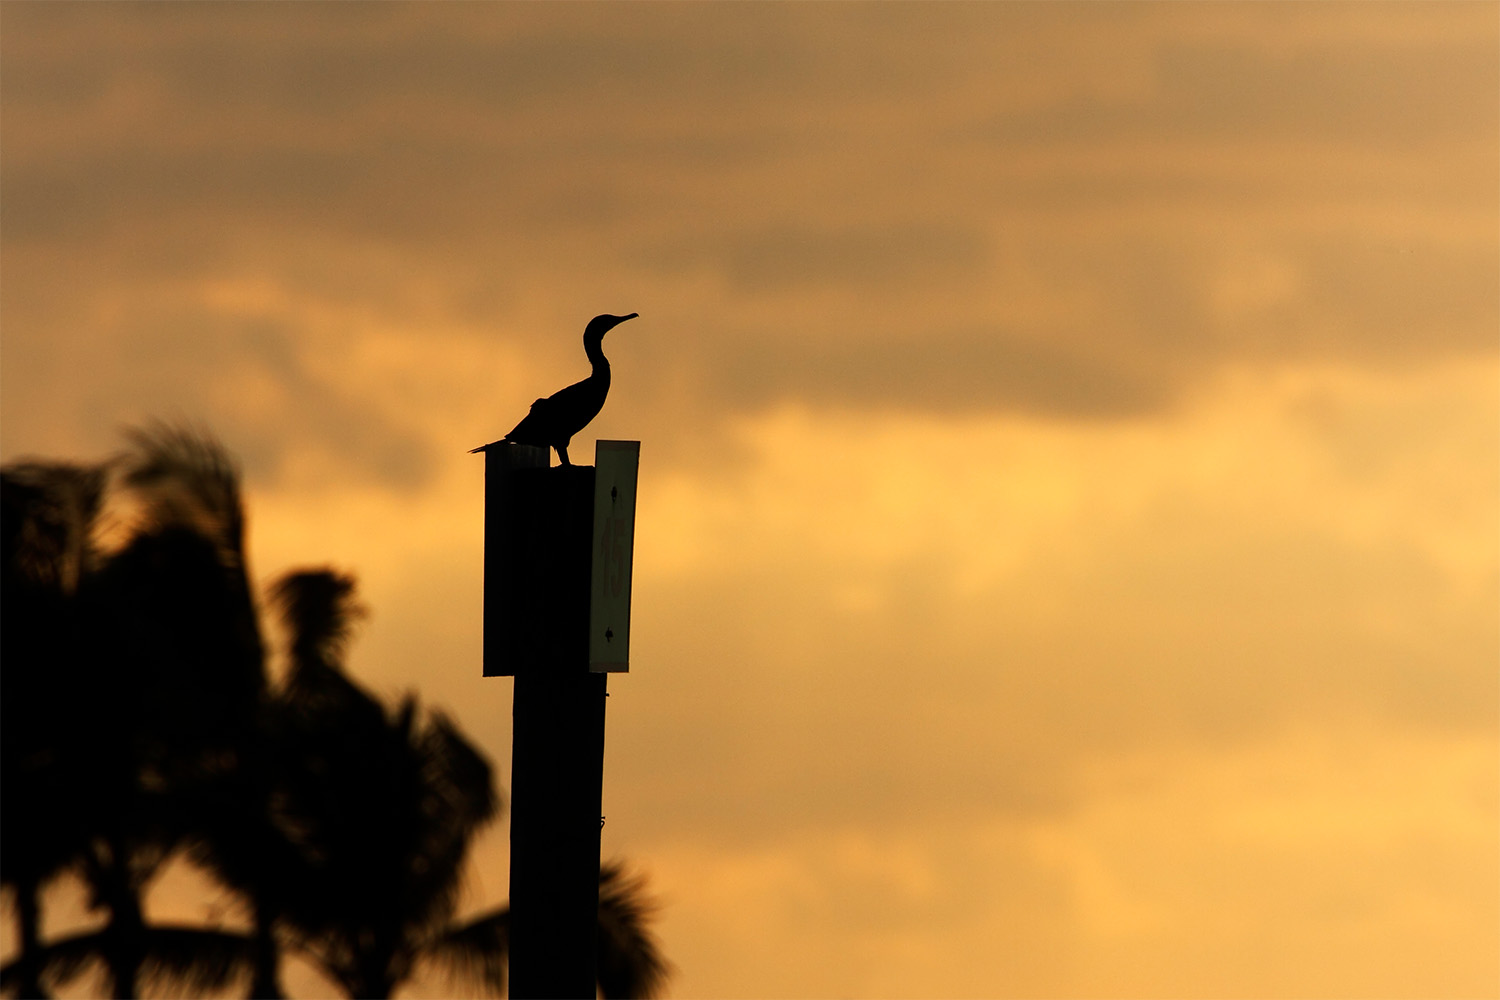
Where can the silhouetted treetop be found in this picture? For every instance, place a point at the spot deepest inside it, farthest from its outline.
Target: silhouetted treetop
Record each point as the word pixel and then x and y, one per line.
pixel 138 722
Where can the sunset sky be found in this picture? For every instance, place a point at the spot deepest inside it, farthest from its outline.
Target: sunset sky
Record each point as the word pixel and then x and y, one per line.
pixel 1068 556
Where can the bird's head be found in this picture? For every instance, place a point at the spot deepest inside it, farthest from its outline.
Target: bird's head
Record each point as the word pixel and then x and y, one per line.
pixel 600 325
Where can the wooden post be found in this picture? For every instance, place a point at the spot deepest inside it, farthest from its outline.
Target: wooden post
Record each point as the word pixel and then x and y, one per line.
pixel 538 549
pixel 557 777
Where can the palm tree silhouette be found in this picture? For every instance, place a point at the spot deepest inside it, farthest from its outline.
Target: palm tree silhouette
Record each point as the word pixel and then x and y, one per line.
pixel 382 808
pixel 379 809
pixel 178 631
pixel 132 679
pixel 138 721
pixel 48 515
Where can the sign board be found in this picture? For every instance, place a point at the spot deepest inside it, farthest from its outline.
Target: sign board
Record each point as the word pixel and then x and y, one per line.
pixel 616 464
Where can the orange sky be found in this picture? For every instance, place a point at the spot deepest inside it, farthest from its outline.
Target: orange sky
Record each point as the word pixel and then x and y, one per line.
pixel 1068 560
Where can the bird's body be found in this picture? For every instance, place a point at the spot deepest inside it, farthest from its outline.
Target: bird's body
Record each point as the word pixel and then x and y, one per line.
pixel 554 419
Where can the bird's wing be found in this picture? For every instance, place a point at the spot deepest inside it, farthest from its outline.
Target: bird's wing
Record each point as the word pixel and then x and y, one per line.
pixel 534 426
pixel 569 399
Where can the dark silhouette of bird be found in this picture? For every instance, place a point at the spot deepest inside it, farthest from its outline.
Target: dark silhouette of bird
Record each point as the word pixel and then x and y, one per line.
pixel 554 420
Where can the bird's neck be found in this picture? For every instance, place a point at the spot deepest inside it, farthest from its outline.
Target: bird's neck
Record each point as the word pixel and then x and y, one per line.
pixel 595 350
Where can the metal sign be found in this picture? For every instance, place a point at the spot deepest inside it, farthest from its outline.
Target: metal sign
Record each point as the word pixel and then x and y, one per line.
pixel 616 464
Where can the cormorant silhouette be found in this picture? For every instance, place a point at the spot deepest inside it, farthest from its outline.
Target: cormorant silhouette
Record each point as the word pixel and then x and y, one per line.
pixel 554 420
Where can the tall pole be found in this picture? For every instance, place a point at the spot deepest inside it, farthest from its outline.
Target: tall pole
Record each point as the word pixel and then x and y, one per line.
pixel 538 549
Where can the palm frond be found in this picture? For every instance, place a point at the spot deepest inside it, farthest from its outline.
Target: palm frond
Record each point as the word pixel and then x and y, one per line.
pixel 187 479
pixel 453 791
pixel 199 959
pixel 60 960
pixel 319 609
pixel 476 951
pixel 195 958
pixel 456 772
pixel 630 962
pixel 49 513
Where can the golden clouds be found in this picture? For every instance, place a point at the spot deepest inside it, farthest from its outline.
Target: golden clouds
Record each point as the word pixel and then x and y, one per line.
pixel 1370 458
pixel 1247 872
pixel 1004 208
pixel 1102 672
pixel 1067 560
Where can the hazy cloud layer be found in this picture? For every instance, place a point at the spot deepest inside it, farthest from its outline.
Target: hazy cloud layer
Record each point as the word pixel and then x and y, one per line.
pixel 1067 549
pixel 993 209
